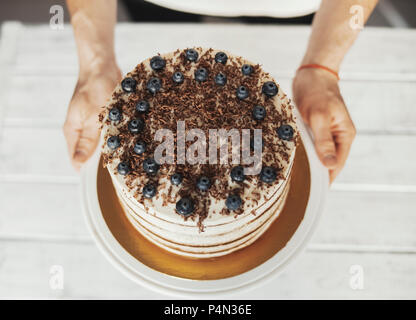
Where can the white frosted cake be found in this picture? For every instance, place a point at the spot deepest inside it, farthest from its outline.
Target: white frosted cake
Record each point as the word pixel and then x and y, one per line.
pixel 206 209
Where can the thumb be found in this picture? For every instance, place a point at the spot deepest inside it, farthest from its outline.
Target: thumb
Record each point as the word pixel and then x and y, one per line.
pixel 72 133
pixel 320 123
pixel 86 144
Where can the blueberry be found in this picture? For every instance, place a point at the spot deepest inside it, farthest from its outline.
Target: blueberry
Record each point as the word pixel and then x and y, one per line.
pixel 269 89
pixel 246 69
pixel 142 106
pixel 150 166
pixel 157 63
pixel 185 206
pixel 259 113
pixel 136 125
pixel 176 179
pixel 237 174
pixel 268 174
pixel 140 147
pixel 123 168
pixel 201 74
pixel 221 57
pixel 256 142
pixel 203 183
pixel 177 77
pixel 220 79
pixel 114 114
pixel 128 85
pixel 191 55
pixel 149 190
pixel 113 142
pixel 154 85
pixel 285 132
pixel 233 202
pixel 242 92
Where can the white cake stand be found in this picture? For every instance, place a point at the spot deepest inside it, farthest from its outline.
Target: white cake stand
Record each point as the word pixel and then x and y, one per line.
pixel 204 289
pixel 234 8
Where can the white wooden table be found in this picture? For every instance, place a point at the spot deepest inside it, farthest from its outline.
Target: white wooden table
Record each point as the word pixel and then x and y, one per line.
pixel 370 218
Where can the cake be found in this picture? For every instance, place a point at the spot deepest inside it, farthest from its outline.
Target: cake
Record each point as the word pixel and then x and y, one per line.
pixel 187 199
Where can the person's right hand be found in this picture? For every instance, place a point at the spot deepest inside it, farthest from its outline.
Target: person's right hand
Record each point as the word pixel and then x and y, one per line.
pixel 318 98
pixel 81 128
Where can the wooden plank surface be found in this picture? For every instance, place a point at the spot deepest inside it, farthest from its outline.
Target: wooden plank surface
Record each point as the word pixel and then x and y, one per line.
pixel 370 216
pixel 352 220
pixel 278 48
pixel 391 112
pixel 373 157
pixel 25 272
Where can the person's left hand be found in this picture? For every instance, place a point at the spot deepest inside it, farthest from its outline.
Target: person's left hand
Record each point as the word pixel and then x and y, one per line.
pixel 81 128
pixel 318 98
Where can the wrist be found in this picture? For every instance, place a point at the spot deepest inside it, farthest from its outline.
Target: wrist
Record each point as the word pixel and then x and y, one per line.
pixel 98 64
pixel 318 67
pixel 331 61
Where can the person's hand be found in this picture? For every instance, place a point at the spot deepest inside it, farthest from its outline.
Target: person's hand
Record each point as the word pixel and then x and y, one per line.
pixel 318 98
pixel 81 128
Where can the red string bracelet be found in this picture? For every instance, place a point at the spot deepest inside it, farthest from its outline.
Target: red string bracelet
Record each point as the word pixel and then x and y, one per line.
pixel 318 66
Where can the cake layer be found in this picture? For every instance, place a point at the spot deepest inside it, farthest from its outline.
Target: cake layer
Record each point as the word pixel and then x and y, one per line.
pixel 164 214
pixel 250 232
pixel 213 235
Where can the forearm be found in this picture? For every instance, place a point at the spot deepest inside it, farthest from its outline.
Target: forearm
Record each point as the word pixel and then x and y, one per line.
pixel 332 35
pixel 93 23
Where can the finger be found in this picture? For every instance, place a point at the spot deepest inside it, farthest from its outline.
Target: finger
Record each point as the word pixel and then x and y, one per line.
pixel 343 141
pixel 72 134
pixel 85 148
pixel 86 143
pixel 320 123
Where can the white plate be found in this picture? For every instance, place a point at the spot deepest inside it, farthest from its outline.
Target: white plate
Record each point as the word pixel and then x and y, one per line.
pixel 179 287
pixel 234 8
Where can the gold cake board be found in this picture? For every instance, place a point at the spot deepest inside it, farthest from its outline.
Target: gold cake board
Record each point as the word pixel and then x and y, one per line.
pixel 235 263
